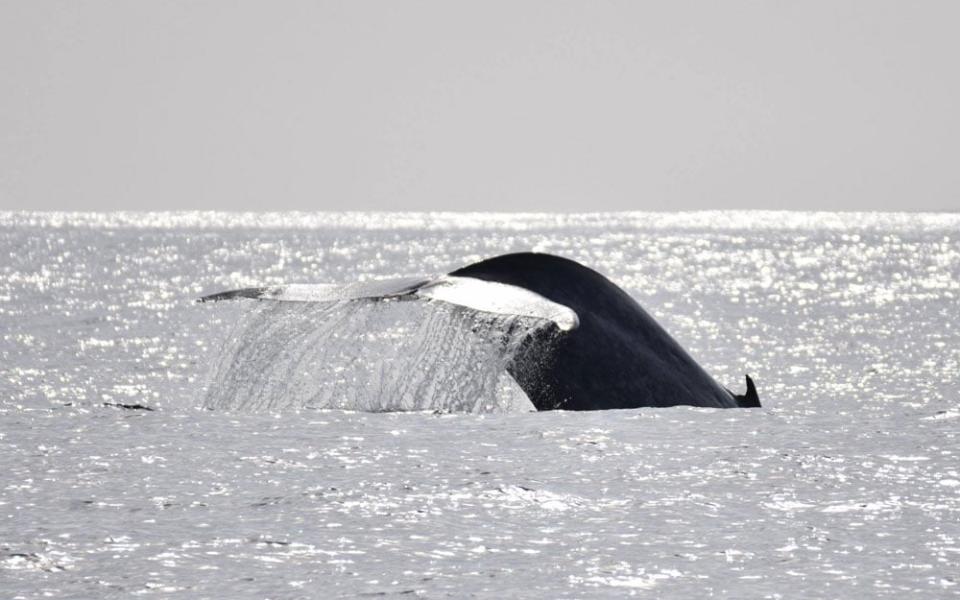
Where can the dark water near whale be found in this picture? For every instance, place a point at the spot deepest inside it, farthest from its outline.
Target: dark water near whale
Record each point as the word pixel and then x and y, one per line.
pixel 846 484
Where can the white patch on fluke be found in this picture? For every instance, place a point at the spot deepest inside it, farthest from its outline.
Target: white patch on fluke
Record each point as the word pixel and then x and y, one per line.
pixel 333 292
pixel 476 294
pixel 499 298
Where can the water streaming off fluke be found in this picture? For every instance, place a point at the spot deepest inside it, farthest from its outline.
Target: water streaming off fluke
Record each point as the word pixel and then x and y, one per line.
pixel 370 356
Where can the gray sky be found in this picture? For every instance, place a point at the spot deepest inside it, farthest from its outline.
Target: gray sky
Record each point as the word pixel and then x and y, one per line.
pixel 484 105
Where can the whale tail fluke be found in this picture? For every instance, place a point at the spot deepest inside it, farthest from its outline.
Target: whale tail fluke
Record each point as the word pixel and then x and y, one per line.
pixel 474 294
pixel 749 399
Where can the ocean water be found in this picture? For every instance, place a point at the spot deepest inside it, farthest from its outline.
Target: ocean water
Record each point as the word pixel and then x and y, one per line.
pixel 845 484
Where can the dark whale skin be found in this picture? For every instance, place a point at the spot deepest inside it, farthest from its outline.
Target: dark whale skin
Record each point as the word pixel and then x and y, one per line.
pixel 619 356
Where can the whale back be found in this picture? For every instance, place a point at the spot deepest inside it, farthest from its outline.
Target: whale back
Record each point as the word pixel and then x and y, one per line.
pixel 618 357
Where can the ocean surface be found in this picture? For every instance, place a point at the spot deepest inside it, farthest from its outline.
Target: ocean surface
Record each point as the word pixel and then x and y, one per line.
pixel 846 484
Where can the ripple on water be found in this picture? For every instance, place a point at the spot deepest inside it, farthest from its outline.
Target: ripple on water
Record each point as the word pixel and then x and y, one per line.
pixel 845 484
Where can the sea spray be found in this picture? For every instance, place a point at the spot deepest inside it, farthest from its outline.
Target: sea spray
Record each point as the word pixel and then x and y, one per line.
pixel 371 356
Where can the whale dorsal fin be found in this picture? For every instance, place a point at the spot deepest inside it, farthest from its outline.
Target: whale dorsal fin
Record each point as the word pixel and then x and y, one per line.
pixel 749 399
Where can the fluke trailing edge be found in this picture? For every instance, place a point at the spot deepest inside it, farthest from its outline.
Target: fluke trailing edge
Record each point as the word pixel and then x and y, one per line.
pixel 606 352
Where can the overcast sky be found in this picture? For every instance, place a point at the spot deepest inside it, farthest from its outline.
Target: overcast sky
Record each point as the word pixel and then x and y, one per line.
pixel 483 105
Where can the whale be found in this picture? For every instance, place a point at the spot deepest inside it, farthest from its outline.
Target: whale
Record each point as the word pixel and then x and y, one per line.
pixel 601 350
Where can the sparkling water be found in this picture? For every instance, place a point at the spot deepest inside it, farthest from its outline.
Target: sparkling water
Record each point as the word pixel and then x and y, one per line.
pixel 846 484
